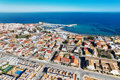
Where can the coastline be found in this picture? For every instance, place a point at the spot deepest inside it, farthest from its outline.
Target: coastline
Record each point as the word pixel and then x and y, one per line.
pixel 68 32
pixel 109 23
pixel 61 29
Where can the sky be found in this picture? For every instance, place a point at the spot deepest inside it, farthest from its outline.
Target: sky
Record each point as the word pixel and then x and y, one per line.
pixel 59 5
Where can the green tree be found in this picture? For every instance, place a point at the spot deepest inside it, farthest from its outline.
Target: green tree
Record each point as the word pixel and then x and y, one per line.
pixel 65 42
pixel 16 36
pixel 109 56
pixel 34 30
pixel 91 37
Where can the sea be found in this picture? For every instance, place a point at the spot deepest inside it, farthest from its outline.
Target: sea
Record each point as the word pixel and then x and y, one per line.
pixel 88 23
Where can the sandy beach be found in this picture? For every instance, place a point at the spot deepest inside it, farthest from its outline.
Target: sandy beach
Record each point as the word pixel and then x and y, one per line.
pixel 61 30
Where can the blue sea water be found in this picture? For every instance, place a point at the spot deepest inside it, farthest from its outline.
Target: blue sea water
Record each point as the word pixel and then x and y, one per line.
pixel 91 23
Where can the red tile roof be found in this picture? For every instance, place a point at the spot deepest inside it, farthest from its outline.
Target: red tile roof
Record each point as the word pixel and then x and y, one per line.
pixel 85 48
pixel 43 49
pixel 12 45
pixel 57 58
pixel 65 59
pixel 75 61
pixel 78 37
pixel 49 51
pixel 72 57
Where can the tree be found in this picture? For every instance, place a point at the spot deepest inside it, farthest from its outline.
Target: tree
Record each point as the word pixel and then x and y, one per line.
pixel 65 42
pixel 34 30
pixel 80 53
pixel 27 36
pixel 23 55
pixel 99 51
pixel 16 36
pixel 91 37
pixel 12 31
pixel 109 56
pixel 40 58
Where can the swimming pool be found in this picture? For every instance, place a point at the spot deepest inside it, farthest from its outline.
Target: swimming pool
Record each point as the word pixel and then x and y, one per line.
pixel 18 72
pixel 8 68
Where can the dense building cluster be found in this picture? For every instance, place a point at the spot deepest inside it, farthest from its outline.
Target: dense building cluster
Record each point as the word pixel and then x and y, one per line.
pixel 42 42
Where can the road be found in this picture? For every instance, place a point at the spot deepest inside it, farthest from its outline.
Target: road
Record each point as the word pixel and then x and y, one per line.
pixel 74 70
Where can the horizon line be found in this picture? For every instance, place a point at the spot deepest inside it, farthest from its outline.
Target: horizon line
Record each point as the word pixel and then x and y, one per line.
pixel 59 11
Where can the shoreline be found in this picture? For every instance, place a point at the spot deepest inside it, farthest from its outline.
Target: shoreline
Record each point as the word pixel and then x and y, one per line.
pixel 65 31
pixel 61 29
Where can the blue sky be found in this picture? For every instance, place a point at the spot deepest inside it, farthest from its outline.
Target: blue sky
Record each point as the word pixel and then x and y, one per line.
pixel 59 5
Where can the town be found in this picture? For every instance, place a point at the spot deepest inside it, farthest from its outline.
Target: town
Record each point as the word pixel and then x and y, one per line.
pixel 43 51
